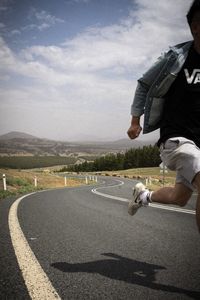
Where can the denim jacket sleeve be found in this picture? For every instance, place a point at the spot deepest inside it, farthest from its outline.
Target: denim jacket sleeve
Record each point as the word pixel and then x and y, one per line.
pixel 143 86
pixel 137 108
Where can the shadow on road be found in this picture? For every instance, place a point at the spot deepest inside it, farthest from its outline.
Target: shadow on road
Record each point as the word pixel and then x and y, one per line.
pixel 127 270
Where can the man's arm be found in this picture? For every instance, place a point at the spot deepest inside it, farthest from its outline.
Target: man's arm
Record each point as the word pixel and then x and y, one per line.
pixel 137 110
pixel 139 101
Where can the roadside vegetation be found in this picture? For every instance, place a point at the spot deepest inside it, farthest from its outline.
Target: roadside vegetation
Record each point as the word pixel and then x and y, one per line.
pixel 153 178
pixel 20 182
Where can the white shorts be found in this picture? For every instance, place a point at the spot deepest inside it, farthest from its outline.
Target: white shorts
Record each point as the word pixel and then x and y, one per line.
pixel 183 156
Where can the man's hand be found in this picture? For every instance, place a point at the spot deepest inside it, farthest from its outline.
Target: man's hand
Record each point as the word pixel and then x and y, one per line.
pixel 135 128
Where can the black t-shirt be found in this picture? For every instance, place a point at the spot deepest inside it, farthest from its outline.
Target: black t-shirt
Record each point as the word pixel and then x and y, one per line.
pixel 181 115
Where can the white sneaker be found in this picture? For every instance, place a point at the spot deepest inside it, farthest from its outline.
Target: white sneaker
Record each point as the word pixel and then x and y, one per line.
pixel 136 202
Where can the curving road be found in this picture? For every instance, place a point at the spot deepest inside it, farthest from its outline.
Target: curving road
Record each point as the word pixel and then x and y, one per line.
pixel 88 247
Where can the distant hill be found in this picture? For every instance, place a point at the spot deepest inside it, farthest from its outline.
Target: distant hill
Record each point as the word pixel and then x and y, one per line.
pixel 16 135
pixel 20 143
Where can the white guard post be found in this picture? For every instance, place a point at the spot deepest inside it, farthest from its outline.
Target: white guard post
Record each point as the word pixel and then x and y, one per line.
pixel 4 182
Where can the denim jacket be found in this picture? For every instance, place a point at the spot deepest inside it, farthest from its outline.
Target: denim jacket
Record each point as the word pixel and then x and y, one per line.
pixel 155 83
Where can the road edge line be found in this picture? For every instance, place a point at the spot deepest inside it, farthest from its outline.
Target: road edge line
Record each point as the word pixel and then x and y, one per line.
pixel 37 282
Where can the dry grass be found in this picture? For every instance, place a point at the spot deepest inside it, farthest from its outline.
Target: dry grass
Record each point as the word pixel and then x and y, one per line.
pixel 152 177
pixel 22 181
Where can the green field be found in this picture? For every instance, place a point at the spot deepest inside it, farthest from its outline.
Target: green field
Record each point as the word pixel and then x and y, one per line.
pixel 30 162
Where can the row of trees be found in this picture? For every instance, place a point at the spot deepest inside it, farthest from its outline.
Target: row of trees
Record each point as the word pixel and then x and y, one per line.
pixel 148 156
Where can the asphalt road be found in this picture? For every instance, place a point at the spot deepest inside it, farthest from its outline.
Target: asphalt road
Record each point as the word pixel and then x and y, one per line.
pixel 90 248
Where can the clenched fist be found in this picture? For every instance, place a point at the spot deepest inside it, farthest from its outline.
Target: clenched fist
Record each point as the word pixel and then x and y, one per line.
pixel 135 128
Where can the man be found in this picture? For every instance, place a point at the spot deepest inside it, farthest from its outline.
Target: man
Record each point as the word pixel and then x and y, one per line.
pixel 169 96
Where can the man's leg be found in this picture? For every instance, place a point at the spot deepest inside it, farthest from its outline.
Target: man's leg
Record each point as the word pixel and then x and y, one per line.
pixel 196 183
pixel 179 195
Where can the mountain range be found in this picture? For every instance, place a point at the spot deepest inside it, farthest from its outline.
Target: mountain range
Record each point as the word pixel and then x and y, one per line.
pixel 20 143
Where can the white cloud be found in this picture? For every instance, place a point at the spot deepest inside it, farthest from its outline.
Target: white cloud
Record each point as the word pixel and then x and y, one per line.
pixel 9 62
pixel 2 25
pixel 130 45
pixel 79 1
pixel 88 81
pixel 15 32
pixel 41 20
pixel 3 8
pixel 7 57
pixel 47 18
pixel 4 5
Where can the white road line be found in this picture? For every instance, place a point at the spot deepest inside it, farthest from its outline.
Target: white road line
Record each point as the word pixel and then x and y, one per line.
pixel 171 208
pixel 109 196
pixel 183 210
pixel 36 280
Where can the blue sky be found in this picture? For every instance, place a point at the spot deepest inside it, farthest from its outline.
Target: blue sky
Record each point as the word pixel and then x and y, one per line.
pixel 69 68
